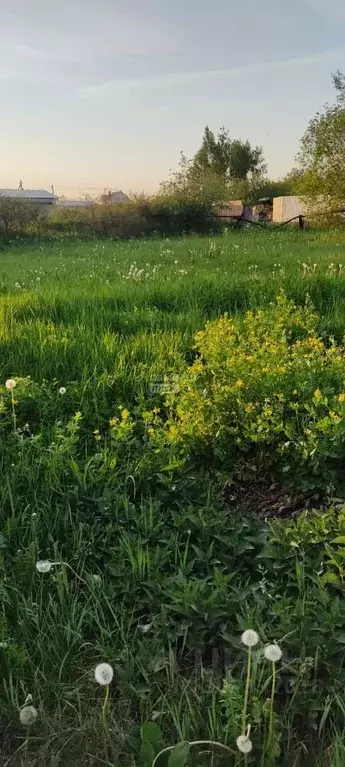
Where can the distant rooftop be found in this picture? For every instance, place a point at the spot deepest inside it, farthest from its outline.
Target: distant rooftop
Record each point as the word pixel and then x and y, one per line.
pixel 28 194
pixel 118 196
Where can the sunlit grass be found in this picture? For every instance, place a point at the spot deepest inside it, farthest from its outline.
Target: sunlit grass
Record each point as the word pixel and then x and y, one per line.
pixel 158 583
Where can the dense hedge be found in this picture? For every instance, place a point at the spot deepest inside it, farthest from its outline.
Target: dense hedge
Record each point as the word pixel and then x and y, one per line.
pixel 122 220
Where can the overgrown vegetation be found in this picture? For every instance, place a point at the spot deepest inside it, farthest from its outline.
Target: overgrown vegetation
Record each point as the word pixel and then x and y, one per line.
pixel 130 433
pixel 322 156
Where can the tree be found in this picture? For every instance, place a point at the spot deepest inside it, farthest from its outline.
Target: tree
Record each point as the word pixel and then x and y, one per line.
pixel 17 214
pixel 322 154
pixel 226 157
pixel 195 184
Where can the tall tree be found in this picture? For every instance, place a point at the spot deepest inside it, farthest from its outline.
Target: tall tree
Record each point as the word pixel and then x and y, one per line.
pixel 230 158
pixel 322 155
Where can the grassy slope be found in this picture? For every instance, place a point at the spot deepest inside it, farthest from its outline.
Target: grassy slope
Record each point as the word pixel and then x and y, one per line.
pixel 85 317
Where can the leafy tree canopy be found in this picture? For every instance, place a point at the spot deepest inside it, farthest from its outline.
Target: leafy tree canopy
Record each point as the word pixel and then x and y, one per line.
pixel 226 157
pixel 322 154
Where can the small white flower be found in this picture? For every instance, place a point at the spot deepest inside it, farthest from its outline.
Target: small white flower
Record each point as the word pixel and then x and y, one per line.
pixel 28 716
pixel 250 638
pixel 104 674
pixel 11 384
pixel 244 744
pixel 145 627
pixel 34 516
pixel 62 390
pixel 273 653
pixel 44 566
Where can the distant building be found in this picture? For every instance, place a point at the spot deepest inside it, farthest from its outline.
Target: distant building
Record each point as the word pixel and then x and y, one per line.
pixel 114 197
pixel 231 209
pixel 263 210
pixel 286 208
pixel 38 196
pixel 74 204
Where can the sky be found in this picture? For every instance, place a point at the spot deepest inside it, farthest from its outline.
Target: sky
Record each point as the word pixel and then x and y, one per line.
pixel 106 94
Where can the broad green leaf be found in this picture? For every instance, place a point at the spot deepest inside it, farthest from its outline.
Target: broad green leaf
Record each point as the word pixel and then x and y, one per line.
pixel 147 754
pixel 151 732
pixel 179 755
pixel 330 578
pixel 339 539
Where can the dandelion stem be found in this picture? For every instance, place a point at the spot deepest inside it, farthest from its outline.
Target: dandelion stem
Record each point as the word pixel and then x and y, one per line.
pixel 246 692
pixel 105 707
pixel 13 411
pixel 270 730
pixel 211 743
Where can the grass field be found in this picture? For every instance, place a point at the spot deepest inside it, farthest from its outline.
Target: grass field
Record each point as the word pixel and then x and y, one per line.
pixel 155 571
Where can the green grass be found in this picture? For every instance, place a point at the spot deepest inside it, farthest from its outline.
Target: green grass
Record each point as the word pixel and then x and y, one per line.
pixel 179 573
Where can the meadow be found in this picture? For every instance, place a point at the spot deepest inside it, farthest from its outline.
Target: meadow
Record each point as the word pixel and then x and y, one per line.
pixel 133 529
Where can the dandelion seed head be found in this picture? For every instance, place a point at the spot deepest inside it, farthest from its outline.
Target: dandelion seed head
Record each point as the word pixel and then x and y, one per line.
pixel 44 566
pixel 250 638
pixel 104 674
pixel 145 627
pixel 244 744
pixel 62 390
pixel 273 653
pixel 28 716
pixel 10 384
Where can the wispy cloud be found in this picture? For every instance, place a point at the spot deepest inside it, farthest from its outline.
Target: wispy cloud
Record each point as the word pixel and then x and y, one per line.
pixel 109 86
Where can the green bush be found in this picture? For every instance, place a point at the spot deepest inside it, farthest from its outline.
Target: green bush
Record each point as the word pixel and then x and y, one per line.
pixel 18 216
pixel 265 393
pixel 133 219
pixel 175 217
pixel 107 220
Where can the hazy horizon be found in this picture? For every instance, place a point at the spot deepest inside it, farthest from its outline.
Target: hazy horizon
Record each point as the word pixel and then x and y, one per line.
pixel 97 98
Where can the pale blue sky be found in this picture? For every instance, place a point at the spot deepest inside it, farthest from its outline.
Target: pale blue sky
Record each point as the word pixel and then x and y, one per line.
pixel 107 93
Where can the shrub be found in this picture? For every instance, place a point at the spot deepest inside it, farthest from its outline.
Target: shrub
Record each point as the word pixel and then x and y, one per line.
pixel 178 217
pixel 133 219
pixel 265 393
pixel 18 216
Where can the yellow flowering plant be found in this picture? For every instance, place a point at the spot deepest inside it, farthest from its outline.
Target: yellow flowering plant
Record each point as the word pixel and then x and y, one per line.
pixel 265 392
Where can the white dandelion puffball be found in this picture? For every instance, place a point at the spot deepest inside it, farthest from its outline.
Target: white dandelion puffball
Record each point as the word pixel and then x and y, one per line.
pixel 244 744
pixel 250 638
pixel 273 653
pixel 28 716
pixel 10 384
pixel 44 566
pixel 104 674
pixel 62 390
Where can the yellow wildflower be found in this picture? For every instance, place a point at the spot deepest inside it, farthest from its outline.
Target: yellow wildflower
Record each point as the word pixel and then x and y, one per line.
pixel 317 395
pixel 341 397
pixel 334 416
pixel 125 414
